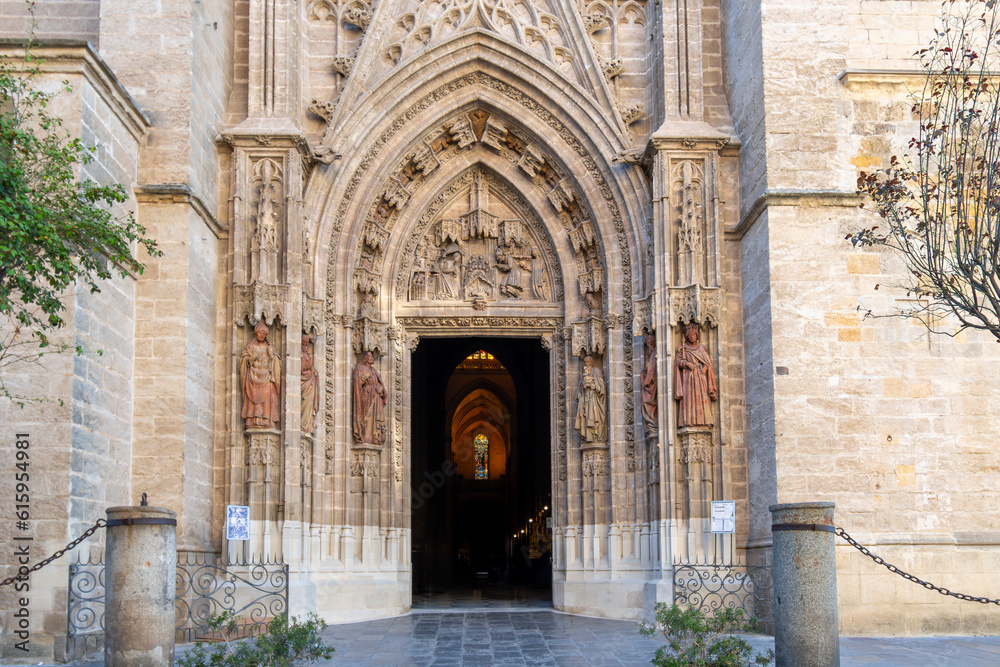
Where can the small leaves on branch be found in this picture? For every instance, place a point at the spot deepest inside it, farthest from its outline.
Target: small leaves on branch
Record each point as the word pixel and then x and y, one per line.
pixel 56 228
pixel 941 202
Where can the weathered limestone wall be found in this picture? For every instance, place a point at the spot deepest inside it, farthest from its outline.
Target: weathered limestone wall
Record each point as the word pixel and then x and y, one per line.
pixel 173 60
pixel 55 19
pixel 81 430
pixel 744 79
pixel 904 420
pixel 744 83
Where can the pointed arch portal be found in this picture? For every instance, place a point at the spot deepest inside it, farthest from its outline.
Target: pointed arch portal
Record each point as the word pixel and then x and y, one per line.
pixel 476 184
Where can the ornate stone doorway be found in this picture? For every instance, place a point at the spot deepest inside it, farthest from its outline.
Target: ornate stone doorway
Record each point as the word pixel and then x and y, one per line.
pixel 481 467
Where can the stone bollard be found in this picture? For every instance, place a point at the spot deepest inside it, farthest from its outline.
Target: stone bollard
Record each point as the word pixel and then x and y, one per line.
pixel 141 563
pixel 806 633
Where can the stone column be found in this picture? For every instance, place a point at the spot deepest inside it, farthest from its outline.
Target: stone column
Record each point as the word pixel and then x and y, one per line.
pixel 805 586
pixel 141 553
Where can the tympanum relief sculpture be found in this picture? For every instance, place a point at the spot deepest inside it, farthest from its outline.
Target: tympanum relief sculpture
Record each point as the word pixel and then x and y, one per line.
pixel 260 380
pixel 480 253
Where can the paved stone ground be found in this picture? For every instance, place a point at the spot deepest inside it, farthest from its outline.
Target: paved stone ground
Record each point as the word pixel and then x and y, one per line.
pixel 532 637
pixel 552 638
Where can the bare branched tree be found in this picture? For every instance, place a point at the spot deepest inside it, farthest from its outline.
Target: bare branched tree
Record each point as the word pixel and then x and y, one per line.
pixel 941 202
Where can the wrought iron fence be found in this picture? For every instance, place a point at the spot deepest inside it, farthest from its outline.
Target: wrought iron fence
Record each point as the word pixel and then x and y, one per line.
pixel 254 591
pixel 711 587
pixel 85 608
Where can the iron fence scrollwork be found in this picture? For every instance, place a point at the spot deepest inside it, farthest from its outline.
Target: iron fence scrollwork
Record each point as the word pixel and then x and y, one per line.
pixel 254 591
pixel 711 587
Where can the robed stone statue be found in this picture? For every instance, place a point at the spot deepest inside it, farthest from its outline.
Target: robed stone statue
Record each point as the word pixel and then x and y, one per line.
pixel 310 389
pixel 647 379
pixel 591 409
pixel 694 382
pixel 370 398
pixel 260 380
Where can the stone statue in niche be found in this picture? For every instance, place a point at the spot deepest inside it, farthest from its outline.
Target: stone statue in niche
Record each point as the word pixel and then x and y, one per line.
pixel 370 397
pixel 449 269
pixel 368 307
pixel 266 233
pixel 310 388
pixel 647 379
pixel 591 305
pixel 694 382
pixel 537 275
pixel 260 380
pixel 591 410
pixel 419 283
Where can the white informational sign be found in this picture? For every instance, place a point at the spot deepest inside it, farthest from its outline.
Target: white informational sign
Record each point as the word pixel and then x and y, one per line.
pixel 723 516
pixel 237 522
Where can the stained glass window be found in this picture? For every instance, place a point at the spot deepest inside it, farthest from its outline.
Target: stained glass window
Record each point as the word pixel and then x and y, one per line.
pixel 480 360
pixel 482 449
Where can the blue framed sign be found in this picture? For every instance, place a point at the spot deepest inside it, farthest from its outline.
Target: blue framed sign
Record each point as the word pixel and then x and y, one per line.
pixel 237 522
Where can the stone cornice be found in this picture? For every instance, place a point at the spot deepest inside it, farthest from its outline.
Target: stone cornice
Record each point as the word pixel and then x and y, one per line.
pixel 810 198
pixel 180 193
pixel 71 56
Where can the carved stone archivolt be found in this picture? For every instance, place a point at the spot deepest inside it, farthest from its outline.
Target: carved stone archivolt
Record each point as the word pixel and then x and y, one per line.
pixel 540 170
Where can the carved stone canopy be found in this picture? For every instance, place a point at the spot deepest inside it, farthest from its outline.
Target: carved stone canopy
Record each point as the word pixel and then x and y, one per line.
pixel 695 303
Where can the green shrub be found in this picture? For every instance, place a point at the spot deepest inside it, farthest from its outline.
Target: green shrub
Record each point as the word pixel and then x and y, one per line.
pixel 283 645
pixel 696 639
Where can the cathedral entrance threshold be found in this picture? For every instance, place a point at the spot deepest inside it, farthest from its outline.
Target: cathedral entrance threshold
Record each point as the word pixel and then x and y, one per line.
pixel 507 598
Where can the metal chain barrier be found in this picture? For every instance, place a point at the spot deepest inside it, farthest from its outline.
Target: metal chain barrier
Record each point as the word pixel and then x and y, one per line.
pixel 906 575
pixel 59 554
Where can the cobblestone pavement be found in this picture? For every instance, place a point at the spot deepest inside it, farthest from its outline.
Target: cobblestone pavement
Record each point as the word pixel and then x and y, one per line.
pixel 551 638
pixel 533 637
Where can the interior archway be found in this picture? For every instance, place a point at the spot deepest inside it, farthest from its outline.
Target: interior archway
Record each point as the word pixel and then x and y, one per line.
pixel 476 538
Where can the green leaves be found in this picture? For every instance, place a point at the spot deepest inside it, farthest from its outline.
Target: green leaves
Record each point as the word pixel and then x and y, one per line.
pixel 694 638
pixel 286 643
pixel 56 229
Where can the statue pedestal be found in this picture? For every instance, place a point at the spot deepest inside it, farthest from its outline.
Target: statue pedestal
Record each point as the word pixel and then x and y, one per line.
pixel 695 479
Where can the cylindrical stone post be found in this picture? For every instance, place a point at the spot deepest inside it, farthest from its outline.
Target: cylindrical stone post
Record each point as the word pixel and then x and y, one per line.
pixel 805 586
pixel 140 566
